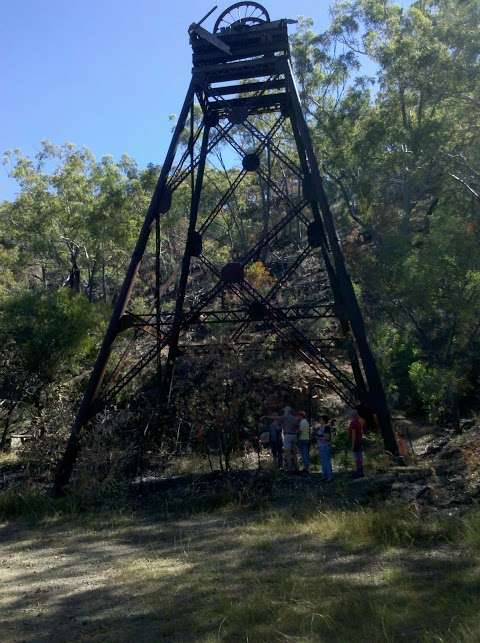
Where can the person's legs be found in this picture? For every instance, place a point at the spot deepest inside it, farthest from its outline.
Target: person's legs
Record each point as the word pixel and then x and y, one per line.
pixel 304 447
pixel 328 461
pixel 274 450
pixel 320 456
pixel 287 453
pixel 325 459
pixel 358 457
pixel 294 453
pixel 280 452
pixel 276 446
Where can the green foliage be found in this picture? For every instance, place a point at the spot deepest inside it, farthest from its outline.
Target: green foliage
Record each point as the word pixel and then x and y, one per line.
pixel 431 385
pixel 401 155
pixel 73 214
pixel 33 505
pixel 49 330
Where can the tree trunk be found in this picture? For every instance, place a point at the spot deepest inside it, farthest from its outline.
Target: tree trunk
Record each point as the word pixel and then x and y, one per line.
pixel 3 441
pixel 104 285
pixel 91 281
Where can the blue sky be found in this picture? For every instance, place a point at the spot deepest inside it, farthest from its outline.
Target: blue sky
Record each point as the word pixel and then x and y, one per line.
pixel 102 73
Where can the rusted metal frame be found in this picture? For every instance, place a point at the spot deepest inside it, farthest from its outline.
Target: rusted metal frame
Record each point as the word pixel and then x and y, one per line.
pixel 376 391
pixel 197 186
pixel 325 250
pixel 229 192
pixel 158 307
pixel 303 341
pixel 139 328
pixel 244 69
pixel 111 393
pixel 183 158
pixel 65 466
pixel 247 52
pixel 309 359
pixel 201 95
pixel 111 376
pixel 275 187
pixel 276 151
pixel 273 232
pixel 264 86
pixel 253 344
pixel 253 104
pixel 281 317
pixel 272 292
pixel 232 187
pixel 310 163
pixel 240 315
pixel 296 264
pixel 186 172
pixel 226 196
pixel 274 83
pixel 334 285
pixel 237 147
pixel 345 326
pixel 276 315
pixel 187 320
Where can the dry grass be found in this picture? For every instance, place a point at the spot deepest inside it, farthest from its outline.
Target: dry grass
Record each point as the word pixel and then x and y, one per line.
pixel 303 573
pixel 9 458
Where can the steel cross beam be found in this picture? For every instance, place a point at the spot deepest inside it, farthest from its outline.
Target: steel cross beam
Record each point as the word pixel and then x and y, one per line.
pixel 299 341
pixel 273 291
pixel 316 310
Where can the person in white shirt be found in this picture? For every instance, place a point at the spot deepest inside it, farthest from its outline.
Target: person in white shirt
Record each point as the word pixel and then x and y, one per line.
pixel 304 440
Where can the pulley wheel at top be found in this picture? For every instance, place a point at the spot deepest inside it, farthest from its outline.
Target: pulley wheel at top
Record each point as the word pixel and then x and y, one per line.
pixel 241 15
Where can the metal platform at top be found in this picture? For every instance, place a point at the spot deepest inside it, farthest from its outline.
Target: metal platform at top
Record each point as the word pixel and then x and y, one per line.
pixel 252 47
pixel 266 39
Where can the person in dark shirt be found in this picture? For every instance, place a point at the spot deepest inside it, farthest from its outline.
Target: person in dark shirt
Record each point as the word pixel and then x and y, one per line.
pixel 276 442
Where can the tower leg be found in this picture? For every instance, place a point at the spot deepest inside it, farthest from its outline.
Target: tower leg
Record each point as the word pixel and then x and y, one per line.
pixel 182 286
pixel 65 466
pixel 376 391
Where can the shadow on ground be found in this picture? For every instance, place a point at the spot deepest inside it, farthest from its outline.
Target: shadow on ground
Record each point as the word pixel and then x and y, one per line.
pixel 255 576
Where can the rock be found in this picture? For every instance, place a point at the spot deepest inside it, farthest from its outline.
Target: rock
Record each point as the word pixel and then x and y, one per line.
pixel 426 494
pixel 451 452
pixel 466 424
pixel 436 447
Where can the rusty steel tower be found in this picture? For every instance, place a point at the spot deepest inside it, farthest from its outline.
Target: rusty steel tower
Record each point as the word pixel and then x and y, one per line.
pixel 242 95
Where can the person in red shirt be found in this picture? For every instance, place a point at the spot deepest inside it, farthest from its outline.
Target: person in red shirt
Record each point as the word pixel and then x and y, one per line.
pixel 355 435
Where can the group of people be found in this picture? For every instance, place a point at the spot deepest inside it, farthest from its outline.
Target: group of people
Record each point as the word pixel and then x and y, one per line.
pixel 290 431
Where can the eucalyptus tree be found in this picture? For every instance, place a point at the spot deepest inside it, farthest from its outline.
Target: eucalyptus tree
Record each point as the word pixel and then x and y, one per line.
pixel 400 151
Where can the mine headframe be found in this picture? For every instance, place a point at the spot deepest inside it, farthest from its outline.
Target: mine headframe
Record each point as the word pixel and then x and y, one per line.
pixel 243 86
